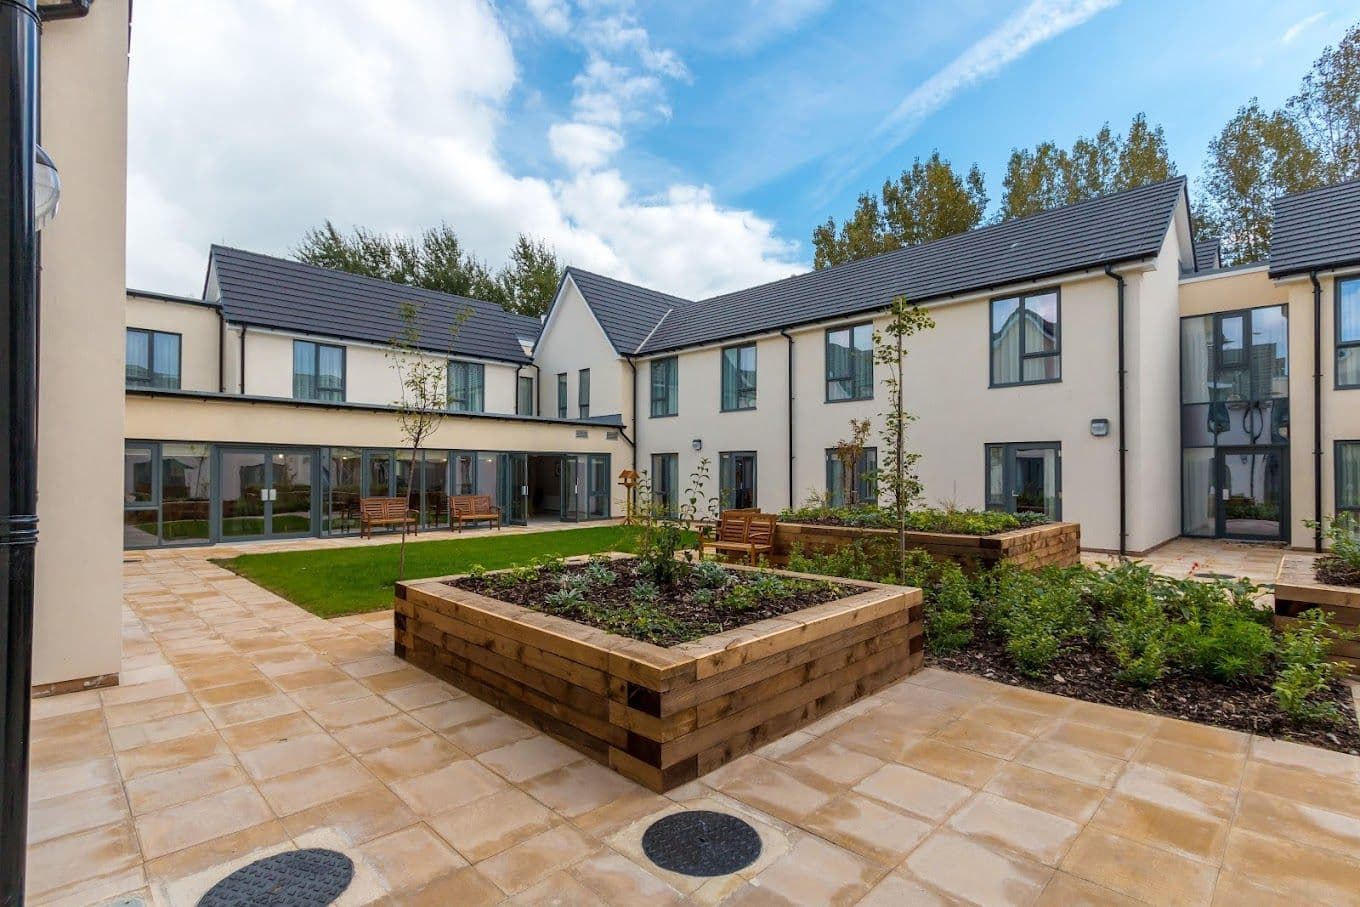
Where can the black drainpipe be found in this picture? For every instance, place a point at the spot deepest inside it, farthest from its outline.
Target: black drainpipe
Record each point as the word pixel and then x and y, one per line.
pixel 221 352
pixel 789 338
pixel 1317 411
pixel 636 434
pixel 243 359
pixel 19 447
pixel 518 368
pixel 1123 447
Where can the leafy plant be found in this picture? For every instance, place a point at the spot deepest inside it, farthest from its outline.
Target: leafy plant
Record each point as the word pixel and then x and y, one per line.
pixel 711 575
pixel 1221 633
pixel 664 535
pixel 1341 564
pixel 644 592
pixel 599 574
pixel 568 598
pixel 1307 669
pixel 949 612
pixel 1038 614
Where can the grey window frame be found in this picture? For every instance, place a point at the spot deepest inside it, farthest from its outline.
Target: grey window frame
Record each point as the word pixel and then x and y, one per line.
pixel 1008 470
pixel 868 490
pixel 735 376
pixel 317 346
pixel 480 368
pixel 583 393
pixel 1339 507
pixel 658 406
pixel 1353 346
pixel 561 395
pixel 826 362
pixel 151 335
pixel 673 492
pixel 991 332
pixel 520 395
pixel 727 455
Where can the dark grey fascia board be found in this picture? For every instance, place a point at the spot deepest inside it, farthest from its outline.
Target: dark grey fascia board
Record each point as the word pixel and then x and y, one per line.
pixel 170 297
pixel 1095 269
pixel 445 354
pixel 255 399
pixel 1300 270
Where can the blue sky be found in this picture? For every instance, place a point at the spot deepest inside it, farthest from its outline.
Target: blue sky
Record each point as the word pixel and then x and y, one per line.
pixel 688 146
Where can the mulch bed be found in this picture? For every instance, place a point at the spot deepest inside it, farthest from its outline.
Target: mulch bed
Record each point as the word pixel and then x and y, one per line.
pixel 611 608
pixel 1087 673
pixel 1334 571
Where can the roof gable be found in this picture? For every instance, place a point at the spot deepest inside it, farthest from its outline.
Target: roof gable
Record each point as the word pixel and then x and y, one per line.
pixel 627 313
pixel 1316 229
pixel 260 290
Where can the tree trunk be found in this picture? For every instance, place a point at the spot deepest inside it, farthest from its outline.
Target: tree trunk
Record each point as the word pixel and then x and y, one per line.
pixel 899 441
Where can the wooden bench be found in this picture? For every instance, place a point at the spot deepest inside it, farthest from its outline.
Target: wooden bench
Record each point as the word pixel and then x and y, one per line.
pixel 473 508
pixel 745 532
pixel 385 512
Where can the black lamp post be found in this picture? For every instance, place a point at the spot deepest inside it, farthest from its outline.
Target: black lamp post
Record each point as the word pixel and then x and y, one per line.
pixel 26 170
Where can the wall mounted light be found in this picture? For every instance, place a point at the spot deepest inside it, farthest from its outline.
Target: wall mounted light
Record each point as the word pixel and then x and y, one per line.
pixel 697 444
pixel 46 189
pixel 1100 428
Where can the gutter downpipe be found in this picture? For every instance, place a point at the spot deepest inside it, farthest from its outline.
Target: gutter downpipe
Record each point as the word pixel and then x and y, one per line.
pixel 518 369
pixel 243 359
pixel 632 365
pixel 789 337
pixel 221 352
pixel 1317 411
pixel 1123 447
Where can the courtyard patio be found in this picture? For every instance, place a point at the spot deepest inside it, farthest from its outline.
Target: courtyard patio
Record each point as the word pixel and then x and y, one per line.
pixel 245 726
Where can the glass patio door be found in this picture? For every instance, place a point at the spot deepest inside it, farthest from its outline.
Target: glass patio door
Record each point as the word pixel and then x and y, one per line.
pixel 573 496
pixel 1251 493
pixel 1025 478
pixel 737 480
pixel 512 488
pixel 266 493
pixel 378 474
pixel 597 487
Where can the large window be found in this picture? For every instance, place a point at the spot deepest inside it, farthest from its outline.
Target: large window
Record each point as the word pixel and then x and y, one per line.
pixel 467 387
pixel 1026 339
pixel 583 393
pixel 1348 332
pixel 318 371
pixel 561 395
pixel 1348 478
pixel 737 480
pixel 665 479
pixel 857 485
pixel 1025 478
pixel 739 377
pixel 167 494
pixel 524 400
pixel 665 386
pixel 850 363
pixel 153 359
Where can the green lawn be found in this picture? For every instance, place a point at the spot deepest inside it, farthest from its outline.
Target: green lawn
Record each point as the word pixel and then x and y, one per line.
pixel 338 581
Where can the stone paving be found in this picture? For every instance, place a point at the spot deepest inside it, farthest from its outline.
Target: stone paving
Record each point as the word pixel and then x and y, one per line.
pixel 245 726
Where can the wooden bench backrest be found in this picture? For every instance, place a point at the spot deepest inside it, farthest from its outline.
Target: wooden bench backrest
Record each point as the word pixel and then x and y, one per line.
pixel 760 528
pixel 383 508
pixel 464 504
pixel 732 526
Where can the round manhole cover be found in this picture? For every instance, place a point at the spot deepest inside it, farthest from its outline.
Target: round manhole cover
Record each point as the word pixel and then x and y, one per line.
pixel 298 878
pixel 701 843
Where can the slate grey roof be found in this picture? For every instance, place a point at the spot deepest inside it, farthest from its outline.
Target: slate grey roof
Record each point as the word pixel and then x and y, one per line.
pixel 1319 228
pixel 260 290
pixel 1121 227
pixel 1207 254
pixel 627 312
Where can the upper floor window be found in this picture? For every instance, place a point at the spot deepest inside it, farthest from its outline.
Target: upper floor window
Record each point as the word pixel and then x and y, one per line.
pixel 739 377
pixel 152 359
pixel 665 386
pixel 1348 332
pixel 524 400
pixel 583 392
pixel 318 371
pixel 1026 339
pixel 856 485
pixel 467 387
pixel 850 363
pixel 561 395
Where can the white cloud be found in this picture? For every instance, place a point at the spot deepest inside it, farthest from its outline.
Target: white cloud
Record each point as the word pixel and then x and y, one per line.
pixel 253 121
pixel 1300 26
pixel 553 15
pixel 582 146
pixel 755 23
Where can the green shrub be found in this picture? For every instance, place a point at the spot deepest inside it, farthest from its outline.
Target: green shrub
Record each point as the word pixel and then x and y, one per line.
pixel 711 575
pixel 1137 635
pixel 927 519
pixel 1038 614
pixel 566 599
pixel 1221 633
pixel 1306 669
pixel 1341 564
pixel 865 559
pixel 644 592
pixel 949 612
pixel 598 573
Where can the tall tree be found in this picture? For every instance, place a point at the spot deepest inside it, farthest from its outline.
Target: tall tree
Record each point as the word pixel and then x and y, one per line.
pixel 437 260
pixel 1327 108
pixel 529 280
pixel 1048 176
pixel 927 201
pixel 1256 157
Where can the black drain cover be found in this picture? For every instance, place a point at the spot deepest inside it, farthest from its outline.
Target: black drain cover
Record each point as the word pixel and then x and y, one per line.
pixel 701 843
pixel 298 878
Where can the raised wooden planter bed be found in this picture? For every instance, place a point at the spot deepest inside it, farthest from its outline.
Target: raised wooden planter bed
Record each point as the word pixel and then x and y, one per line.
pixel 662 716
pixel 1050 545
pixel 1296 591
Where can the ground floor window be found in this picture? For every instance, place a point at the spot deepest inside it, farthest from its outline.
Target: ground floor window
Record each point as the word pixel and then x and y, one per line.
pixel 1348 478
pixel 1025 478
pixel 737 480
pixel 167 494
pixel 857 484
pixel 665 480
